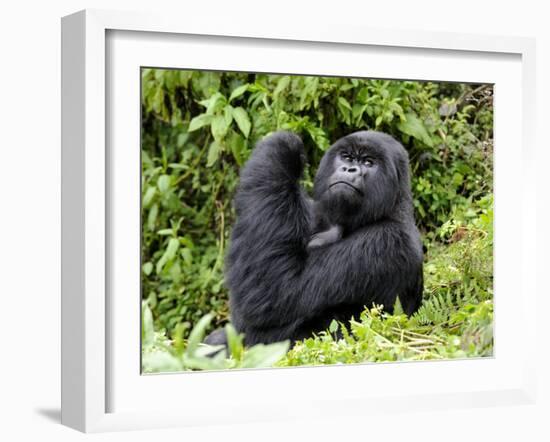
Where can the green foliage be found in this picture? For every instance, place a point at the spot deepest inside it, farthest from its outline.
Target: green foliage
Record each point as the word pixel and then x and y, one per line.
pixel 159 354
pixel 379 337
pixel 454 321
pixel 198 129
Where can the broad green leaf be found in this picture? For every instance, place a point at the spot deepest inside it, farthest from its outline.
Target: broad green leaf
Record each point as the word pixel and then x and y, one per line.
pixel 262 355
pixel 228 115
pixel 237 92
pixel 219 127
pixel 163 183
pixel 237 145
pixel 200 121
pixel 415 128
pixel 213 152
pixel 241 117
pixel 362 95
pixel 344 103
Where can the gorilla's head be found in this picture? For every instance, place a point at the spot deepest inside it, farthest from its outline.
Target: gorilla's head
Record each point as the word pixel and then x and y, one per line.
pixel 362 178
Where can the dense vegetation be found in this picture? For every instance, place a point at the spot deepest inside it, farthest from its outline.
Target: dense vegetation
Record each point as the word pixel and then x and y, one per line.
pixel 198 128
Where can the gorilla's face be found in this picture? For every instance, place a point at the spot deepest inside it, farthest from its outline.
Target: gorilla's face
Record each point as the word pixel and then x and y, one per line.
pixel 361 179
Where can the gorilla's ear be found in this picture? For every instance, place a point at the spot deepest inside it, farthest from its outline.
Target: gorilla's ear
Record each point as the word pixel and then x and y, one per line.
pixel 401 162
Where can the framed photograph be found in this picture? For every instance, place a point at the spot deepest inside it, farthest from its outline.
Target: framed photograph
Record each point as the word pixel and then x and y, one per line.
pixel 251 213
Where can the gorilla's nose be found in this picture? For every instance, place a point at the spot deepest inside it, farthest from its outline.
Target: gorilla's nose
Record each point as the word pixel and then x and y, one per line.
pixel 350 170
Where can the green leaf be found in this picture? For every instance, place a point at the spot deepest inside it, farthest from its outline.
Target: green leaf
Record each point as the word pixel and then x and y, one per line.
pixel 187 256
pixel 344 103
pixel 415 128
pixel 282 84
pixel 362 95
pixel 163 183
pixel 358 111
pixel 237 92
pixel 397 308
pixel 200 121
pixel 149 195
pixel 213 153
pixel 214 104
pixel 169 253
pixel 345 109
pixel 160 361
pixel 172 248
pixel 237 144
pixel 165 232
pixel 147 328
pixel 206 83
pixel 158 100
pixel 182 139
pixel 262 355
pixel 197 334
pixel 201 362
pixel 318 135
pixel 219 127
pixel 147 268
pixel 234 342
pixel 152 216
pixel 333 327
pixel 241 117
pixel 228 115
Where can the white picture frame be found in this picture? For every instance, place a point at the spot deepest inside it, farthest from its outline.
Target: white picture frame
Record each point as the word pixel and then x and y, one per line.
pixel 93 333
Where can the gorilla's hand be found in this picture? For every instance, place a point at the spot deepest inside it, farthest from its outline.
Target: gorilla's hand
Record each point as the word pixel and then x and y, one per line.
pixel 270 180
pixel 283 152
pixel 326 237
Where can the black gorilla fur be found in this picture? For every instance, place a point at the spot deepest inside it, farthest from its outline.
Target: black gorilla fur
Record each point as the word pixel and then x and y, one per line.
pixel 295 264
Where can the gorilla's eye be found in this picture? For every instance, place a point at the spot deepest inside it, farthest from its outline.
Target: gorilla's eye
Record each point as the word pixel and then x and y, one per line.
pixel 346 156
pixel 366 160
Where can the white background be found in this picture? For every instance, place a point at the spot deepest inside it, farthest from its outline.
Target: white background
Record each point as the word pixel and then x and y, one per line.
pixel 30 216
pixel 298 389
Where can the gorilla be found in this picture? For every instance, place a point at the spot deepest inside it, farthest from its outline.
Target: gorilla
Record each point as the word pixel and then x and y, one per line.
pixel 296 263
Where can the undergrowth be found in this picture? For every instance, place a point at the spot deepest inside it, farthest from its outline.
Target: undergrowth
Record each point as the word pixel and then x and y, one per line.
pixel 454 321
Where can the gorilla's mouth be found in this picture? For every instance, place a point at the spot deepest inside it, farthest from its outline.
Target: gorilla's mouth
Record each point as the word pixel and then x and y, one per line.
pixel 347 184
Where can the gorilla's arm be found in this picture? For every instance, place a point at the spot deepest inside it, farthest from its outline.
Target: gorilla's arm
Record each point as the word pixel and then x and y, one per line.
pixel 276 283
pixel 267 253
pixel 368 258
